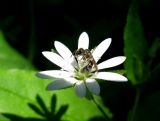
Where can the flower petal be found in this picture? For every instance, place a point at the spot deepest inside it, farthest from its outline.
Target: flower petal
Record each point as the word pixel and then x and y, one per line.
pixel 60 84
pixel 93 86
pixel 58 60
pixel 101 48
pixel 63 50
pixel 110 76
pixel 83 41
pixel 54 74
pixel 111 62
pixel 80 89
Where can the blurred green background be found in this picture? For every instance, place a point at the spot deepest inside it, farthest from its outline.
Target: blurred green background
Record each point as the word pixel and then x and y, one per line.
pixel 29 27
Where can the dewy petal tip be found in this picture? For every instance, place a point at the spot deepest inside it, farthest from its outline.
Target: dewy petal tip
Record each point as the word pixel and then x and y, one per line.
pixel 44 52
pixel 101 49
pixel 124 58
pixel 80 89
pixel 83 41
pixel 93 86
pixel 63 50
pixel 40 75
pixel 58 84
pixel 112 62
pixel 110 76
pixel 55 43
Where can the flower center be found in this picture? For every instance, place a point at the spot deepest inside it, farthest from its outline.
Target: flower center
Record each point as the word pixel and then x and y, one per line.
pixel 86 64
pixel 83 70
pixel 80 75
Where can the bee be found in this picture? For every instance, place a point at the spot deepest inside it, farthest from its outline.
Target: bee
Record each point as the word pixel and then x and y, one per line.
pixel 85 59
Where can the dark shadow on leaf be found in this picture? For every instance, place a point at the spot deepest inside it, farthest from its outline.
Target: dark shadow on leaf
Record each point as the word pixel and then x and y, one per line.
pixel 42 110
pixel 13 117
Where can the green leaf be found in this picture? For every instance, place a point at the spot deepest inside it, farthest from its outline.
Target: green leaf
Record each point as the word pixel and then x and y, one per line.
pixel 135 46
pixel 10 58
pixel 154 48
pixel 18 88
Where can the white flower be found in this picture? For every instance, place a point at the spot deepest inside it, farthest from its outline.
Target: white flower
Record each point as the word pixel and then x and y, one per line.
pixel 71 73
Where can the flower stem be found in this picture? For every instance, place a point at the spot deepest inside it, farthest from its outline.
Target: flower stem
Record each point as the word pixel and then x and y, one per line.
pixel 138 93
pixel 101 110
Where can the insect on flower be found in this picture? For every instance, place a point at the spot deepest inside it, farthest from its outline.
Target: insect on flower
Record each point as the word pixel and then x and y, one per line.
pixel 85 60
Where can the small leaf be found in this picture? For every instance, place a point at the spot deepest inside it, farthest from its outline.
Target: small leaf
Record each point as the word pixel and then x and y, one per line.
pixel 154 48
pixel 36 109
pixel 61 111
pixel 53 104
pixel 42 104
pixel 135 46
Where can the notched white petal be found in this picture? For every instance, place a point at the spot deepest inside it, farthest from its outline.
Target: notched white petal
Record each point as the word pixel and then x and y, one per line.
pixel 83 41
pixel 101 48
pixel 63 50
pixel 93 86
pixel 54 74
pixel 80 89
pixel 53 57
pixel 73 61
pixel 71 80
pixel 58 60
pixel 59 84
pixel 111 62
pixel 110 76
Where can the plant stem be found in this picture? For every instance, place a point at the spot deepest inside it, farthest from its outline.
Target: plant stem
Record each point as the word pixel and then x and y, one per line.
pixel 138 93
pixel 101 110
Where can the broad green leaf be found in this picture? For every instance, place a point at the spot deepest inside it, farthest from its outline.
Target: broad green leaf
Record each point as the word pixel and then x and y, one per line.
pixel 19 88
pixel 135 46
pixel 10 58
